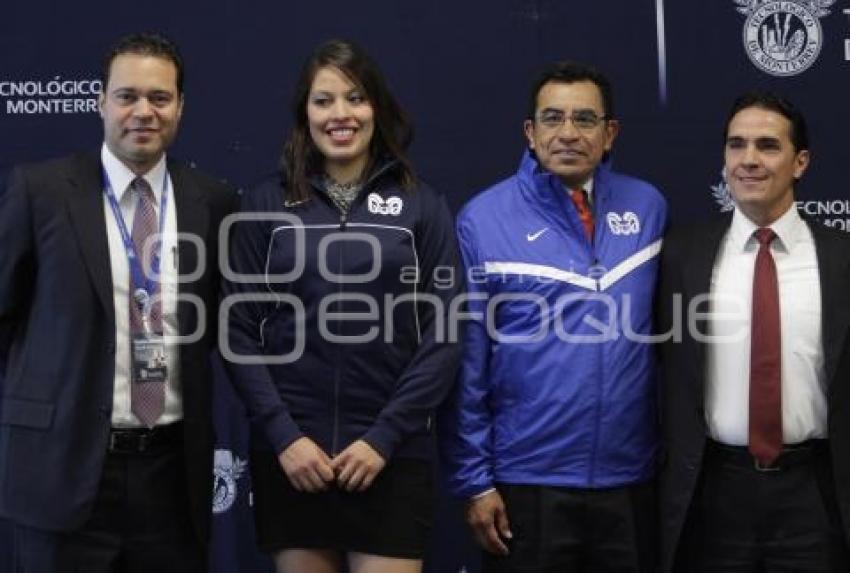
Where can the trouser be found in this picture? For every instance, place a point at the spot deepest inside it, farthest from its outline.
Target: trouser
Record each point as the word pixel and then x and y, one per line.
pixel 567 530
pixel 140 522
pixel 746 519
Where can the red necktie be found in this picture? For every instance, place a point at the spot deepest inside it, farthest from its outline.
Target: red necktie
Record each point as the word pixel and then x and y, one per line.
pixel 579 197
pixel 765 357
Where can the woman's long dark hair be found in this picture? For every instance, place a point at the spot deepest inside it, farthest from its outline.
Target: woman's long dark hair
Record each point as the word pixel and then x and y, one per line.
pixel 393 131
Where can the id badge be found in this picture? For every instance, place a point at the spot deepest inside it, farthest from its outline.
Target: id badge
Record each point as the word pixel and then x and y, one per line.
pixel 148 359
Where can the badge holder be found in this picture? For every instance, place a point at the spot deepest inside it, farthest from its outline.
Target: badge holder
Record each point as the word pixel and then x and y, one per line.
pixel 148 355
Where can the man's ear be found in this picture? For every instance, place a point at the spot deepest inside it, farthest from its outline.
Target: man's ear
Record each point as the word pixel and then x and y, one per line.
pixel 528 127
pixel 612 129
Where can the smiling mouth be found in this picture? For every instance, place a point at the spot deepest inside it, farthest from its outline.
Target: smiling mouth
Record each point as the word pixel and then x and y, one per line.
pixel 568 153
pixel 749 179
pixel 341 133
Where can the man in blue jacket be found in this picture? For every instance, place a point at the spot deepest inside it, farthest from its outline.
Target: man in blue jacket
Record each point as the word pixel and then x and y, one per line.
pixel 552 432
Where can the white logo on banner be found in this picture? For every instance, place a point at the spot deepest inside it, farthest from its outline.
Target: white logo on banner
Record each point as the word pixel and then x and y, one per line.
pixel 391 206
pixel 722 194
pixel 783 38
pixel 227 470
pixel 833 213
pixel 627 224
pixel 57 96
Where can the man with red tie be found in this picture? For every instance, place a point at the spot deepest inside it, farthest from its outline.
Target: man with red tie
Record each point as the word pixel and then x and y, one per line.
pixel 551 435
pixel 755 390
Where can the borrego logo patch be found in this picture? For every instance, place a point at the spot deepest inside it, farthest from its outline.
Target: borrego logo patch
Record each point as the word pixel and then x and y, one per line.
pixel 625 224
pixel 391 206
pixel 47 97
pixel 783 38
pixel 227 470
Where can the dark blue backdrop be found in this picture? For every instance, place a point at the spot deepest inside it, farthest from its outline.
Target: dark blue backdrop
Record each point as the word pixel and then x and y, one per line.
pixel 462 69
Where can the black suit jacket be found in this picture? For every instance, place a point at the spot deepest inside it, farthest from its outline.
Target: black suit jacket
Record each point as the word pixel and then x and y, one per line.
pixel 686 267
pixel 57 316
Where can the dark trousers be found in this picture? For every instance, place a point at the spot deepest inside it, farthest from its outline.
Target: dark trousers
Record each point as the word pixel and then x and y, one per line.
pixel 747 520
pixel 140 524
pixel 567 530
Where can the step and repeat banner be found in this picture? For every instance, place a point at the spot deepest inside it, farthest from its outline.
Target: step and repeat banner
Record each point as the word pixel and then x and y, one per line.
pixel 462 69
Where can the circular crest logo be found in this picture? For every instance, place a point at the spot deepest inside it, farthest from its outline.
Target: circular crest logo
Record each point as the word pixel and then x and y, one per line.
pixel 783 38
pixel 226 471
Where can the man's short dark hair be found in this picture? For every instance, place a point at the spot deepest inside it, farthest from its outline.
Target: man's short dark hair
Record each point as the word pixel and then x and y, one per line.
pixel 776 103
pixel 145 44
pixel 568 72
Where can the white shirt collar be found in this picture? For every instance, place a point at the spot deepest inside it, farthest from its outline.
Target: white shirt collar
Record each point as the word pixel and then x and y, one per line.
pixel 788 229
pixel 120 176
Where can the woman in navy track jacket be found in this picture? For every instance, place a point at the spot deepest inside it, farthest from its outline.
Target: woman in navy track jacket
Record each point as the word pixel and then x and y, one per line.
pixel 344 271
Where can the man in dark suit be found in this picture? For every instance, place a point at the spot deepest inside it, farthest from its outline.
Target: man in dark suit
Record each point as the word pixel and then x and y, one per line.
pixel 756 388
pixel 108 266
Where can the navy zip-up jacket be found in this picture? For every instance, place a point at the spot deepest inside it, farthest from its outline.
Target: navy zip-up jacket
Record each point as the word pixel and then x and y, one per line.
pixel 339 322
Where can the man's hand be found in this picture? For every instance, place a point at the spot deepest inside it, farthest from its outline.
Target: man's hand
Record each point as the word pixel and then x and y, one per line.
pixel 488 518
pixel 306 465
pixel 357 466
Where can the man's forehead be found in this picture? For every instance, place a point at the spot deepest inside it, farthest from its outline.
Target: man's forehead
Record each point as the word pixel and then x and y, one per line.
pixel 129 70
pixel 573 95
pixel 754 120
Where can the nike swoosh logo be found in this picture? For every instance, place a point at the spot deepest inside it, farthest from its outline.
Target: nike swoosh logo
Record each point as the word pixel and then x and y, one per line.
pixel 534 236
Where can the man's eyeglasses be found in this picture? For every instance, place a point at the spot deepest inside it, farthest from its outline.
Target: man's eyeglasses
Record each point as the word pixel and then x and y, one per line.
pixel 584 120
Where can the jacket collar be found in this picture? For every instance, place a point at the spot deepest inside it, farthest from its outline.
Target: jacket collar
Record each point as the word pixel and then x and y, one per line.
pixel 545 192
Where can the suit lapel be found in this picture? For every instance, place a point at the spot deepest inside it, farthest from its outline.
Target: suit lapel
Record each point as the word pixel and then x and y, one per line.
pixel 85 208
pixel 834 271
pixel 698 266
pixel 192 219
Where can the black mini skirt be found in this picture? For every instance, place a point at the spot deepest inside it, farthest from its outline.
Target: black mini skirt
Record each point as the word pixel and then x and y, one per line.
pixel 392 518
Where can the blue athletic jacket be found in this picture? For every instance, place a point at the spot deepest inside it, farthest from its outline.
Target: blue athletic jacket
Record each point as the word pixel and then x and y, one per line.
pixel 347 317
pixel 555 388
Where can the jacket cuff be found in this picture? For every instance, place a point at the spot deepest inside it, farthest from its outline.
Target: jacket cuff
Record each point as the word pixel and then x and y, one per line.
pixel 281 431
pixel 383 440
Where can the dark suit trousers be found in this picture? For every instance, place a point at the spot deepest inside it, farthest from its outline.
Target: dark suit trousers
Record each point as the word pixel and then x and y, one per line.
pixel 574 530
pixel 743 520
pixel 140 523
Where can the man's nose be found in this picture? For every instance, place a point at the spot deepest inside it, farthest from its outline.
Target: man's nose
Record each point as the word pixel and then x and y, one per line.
pixel 568 129
pixel 142 107
pixel 750 156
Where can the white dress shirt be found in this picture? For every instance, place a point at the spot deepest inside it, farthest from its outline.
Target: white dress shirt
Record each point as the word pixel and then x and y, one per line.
pixel 120 178
pixel 804 408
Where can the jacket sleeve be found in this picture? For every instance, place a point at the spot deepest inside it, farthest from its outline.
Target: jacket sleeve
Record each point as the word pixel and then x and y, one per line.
pixel 17 256
pixel 467 418
pixel 428 377
pixel 246 304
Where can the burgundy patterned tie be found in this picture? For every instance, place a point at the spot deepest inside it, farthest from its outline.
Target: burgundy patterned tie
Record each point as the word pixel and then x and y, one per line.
pixel 765 357
pixel 147 399
pixel 579 197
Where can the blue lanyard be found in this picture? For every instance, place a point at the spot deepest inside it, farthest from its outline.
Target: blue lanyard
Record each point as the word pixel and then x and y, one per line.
pixel 136 270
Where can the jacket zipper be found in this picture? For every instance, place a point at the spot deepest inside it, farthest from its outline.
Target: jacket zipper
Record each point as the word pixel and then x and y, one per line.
pixel 597 422
pixel 335 440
